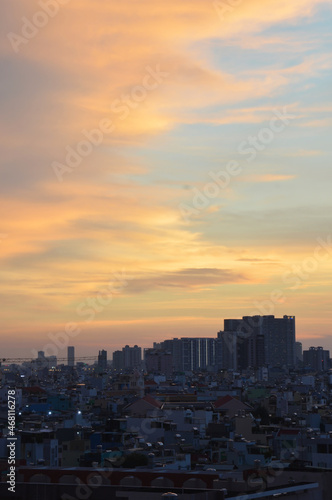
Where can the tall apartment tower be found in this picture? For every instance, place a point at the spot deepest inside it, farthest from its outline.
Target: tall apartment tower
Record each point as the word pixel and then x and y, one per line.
pixel 132 356
pixel 71 355
pixel 298 353
pixel 128 358
pixel 227 349
pixel 279 340
pixel 117 361
pixel 242 343
pixel 262 341
pixel 198 353
pixel 102 360
pixel 317 358
pixel 193 353
pixel 158 361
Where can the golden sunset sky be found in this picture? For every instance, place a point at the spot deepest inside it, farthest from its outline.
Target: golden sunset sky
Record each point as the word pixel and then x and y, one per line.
pixel 164 165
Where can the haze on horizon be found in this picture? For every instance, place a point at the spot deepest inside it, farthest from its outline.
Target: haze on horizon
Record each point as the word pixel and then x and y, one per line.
pixel 164 166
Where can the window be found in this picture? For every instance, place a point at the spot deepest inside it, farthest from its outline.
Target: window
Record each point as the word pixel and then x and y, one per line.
pixel 321 448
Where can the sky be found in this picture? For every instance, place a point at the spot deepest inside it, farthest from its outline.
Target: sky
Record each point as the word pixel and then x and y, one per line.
pixel 164 165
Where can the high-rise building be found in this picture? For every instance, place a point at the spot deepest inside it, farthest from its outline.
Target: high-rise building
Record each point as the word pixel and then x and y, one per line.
pixel 132 356
pixel 242 344
pixel 227 350
pixel 102 360
pixel 117 361
pixel 43 361
pixel 198 353
pixel 298 353
pixel 158 361
pixel 317 359
pixel 258 341
pixel 128 358
pixel 193 353
pixel 174 346
pixel 250 342
pixel 71 355
pixel 279 340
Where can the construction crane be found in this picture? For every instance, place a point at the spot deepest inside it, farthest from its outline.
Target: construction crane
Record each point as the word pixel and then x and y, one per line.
pixel 22 360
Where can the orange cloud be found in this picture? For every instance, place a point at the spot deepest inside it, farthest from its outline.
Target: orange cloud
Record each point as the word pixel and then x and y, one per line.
pixel 141 66
pixel 268 178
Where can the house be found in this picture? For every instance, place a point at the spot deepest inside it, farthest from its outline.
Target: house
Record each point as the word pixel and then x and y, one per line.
pixel 144 406
pixel 230 406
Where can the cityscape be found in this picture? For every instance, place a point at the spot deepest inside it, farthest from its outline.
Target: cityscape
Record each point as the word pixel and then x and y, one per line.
pixel 165 250
pixel 242 414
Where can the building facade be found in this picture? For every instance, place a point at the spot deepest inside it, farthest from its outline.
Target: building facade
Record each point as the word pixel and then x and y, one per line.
pixel 256 341
pixel 194 353
pixel 102 360
pixel 71 356
pixel 317 359
pixel 128 358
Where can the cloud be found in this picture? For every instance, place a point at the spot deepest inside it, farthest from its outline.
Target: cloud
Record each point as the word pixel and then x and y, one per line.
pixel 268 178
pixel 306 153
pixel 190 279
pixel 108 60
pixel 254 260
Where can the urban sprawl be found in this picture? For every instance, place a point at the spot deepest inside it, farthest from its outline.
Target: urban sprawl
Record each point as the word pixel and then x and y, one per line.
pixel 245 414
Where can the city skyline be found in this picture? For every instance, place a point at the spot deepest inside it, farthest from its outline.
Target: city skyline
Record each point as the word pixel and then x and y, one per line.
pixel 58 342
pixel 164 166
pixel 280 345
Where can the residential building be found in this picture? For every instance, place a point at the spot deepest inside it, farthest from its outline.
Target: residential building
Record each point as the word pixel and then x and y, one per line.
pixel 260 341
pixel 128 358
pixel 71 356
pixel 102 360
pixel 317 359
